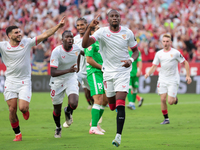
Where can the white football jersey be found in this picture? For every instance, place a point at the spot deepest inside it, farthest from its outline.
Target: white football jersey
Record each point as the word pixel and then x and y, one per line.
pixel 169 65
pixel 78 41
pixel 114 48
pixel 17 59
pixel 62 60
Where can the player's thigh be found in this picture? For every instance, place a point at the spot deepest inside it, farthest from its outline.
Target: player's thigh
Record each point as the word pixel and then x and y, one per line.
pixel 72 87
pixel 109 86
pixel 121 84
pixel 25 93
pixel 95 81
pixel 57 97
pixel 10 91
pixel 12 104
pixel 172 89
pixel 161 88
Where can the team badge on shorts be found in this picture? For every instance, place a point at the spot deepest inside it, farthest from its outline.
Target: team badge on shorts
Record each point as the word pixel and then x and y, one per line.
pixel 124 36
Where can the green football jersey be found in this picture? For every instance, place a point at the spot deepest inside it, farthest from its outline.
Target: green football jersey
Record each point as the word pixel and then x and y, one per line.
pixel 93 51
pixel 134 64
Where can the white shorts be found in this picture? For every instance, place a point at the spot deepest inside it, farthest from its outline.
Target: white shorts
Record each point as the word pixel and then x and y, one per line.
pixel 58 93
pixel 171 89
pixel 117 84
pixel 82 79
pixel 21 91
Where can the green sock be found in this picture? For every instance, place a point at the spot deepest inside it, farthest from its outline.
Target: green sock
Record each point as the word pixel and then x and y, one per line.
pixel 95 114
pixel 134 97
pixel 130 96
pixel 101 111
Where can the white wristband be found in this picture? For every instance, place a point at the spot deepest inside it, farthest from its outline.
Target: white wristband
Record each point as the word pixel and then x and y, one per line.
pixel 132 60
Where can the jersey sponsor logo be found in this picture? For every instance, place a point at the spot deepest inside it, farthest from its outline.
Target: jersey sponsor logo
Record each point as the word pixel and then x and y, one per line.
pixel 52 60
pixel 63 56
pixel 22 45
pixel 89 48
pixel 108 35
pixel 76 53
pixel 124 36
pixel 8 47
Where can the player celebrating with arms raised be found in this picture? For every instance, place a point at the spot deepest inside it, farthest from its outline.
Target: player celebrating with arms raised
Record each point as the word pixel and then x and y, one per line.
pixel 16 57
pixel 168 81
pixel 113 44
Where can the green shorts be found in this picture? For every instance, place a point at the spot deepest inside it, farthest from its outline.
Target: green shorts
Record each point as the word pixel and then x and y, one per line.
pixel 134 81
pixel 95 81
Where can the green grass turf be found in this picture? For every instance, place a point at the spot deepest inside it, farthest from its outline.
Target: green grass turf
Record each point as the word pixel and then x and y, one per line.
pixel 142 129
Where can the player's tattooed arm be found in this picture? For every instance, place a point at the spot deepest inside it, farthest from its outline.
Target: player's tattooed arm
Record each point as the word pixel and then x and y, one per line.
pixel 50 31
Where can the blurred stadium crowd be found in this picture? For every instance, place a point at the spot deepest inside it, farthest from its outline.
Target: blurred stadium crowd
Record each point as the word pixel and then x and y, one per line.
pixel 148 19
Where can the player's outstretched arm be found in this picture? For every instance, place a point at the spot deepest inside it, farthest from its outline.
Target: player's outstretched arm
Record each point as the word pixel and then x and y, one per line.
pixel 187 68
pixel 87 41
pixel 55 72
pixel 50 31
pixel 152 69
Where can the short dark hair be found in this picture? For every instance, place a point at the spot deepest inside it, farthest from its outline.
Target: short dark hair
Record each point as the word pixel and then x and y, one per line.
pixel 10 28
pixel 111 11
pixel 66 31
pixel 82 19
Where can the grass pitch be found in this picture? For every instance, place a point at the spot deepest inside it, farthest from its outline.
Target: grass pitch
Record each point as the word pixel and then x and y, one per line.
pixel 142 129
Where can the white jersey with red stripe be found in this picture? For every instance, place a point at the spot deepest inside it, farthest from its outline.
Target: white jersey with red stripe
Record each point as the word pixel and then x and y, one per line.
pixel 78 40
pixel 17 59
pixel 62 60
pixel 168 61
pixel 114 48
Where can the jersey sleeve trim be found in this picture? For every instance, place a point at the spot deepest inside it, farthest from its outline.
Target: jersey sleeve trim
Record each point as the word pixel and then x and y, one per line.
pixel 53 66
pixel 134 46
pixel 93 38
pixel 154 64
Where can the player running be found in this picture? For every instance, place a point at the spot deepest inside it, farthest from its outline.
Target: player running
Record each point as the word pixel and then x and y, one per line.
pixel 113 44
pixel 16 57
pixel 169 79
pixel 64 79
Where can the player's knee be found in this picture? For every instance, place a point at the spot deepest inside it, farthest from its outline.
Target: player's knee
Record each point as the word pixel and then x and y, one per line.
pixel 12 110
pixel 170 102
pixel 23 109
pixel 74 105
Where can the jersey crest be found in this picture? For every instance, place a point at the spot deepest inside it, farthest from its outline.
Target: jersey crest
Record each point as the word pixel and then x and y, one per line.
pixel 22 45
pixel 124 36
pixel 76 53
pixel 171 55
